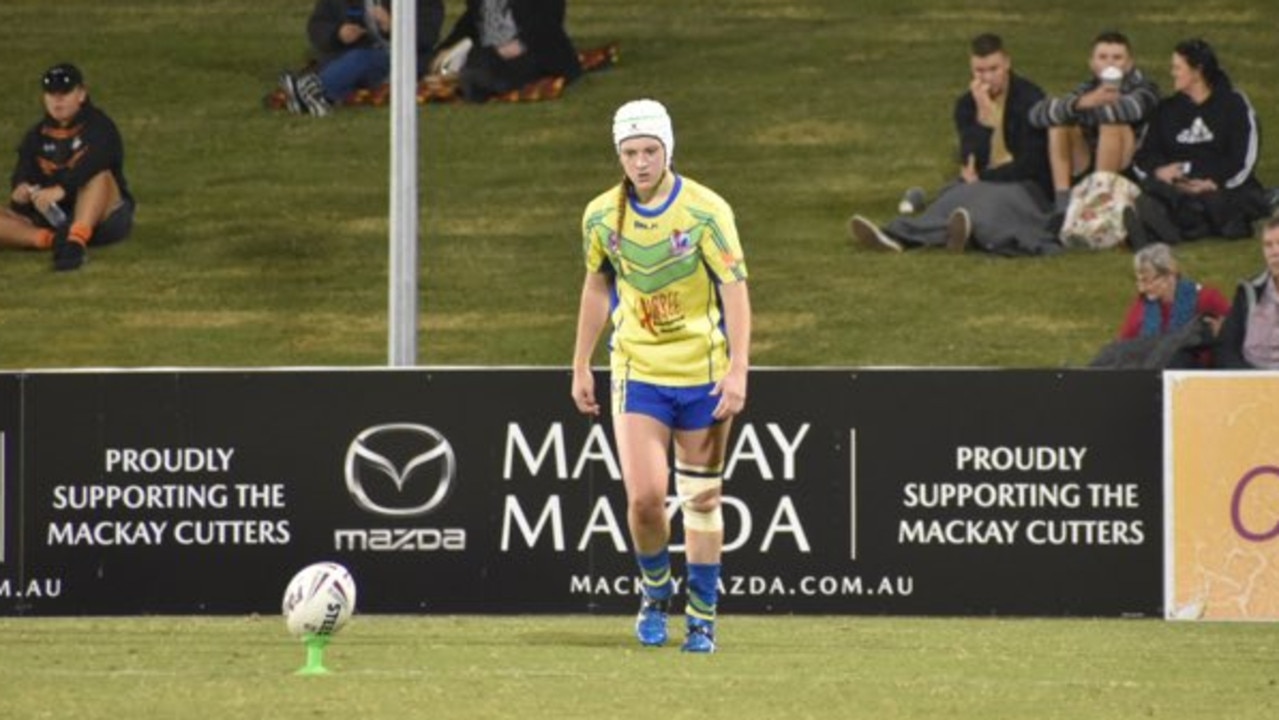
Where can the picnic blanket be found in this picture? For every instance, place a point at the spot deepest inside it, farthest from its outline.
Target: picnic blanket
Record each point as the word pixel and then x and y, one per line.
pixel 440 89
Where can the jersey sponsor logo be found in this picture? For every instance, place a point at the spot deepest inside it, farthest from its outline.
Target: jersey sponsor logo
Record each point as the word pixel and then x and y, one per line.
pixel 660 313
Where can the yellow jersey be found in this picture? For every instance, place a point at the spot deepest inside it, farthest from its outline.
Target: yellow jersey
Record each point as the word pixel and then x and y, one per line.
pixel 666 265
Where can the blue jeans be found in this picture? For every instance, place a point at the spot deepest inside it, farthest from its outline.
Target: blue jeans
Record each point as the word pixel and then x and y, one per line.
pixel 355 68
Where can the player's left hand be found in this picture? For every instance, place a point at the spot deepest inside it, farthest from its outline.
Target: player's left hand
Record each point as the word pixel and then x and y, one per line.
pixel 583 392
pixel 732 394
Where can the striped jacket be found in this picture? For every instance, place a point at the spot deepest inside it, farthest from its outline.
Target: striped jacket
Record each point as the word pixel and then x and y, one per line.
pixel 1138 98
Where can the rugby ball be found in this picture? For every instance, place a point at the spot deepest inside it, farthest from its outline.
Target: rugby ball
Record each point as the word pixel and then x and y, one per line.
pixel 319 599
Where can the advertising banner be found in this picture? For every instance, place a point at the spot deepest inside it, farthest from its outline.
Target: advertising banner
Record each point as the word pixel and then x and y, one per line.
pixel 1222 496
pixel 460 490
pixel 10 407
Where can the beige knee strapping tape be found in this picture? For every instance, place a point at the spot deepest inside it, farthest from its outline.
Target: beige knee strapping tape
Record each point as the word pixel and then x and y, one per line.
pixel 690 486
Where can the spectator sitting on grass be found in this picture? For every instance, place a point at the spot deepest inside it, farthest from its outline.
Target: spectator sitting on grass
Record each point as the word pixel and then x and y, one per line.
pixel 68 187
pixel 1167 301
pixel 1199 156
pixel 351 41
pixel 1250 335
pixel 1099 125
pixel 497 46
pixel 1000 201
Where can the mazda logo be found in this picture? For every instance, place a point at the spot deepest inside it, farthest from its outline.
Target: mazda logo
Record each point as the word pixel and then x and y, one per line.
pixel 414 458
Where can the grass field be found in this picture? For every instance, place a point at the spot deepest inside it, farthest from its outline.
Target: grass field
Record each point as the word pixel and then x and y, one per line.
pixel 388 668
pixel 261 238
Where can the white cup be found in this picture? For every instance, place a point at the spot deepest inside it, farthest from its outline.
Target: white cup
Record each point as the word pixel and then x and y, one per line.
pixel 1112 77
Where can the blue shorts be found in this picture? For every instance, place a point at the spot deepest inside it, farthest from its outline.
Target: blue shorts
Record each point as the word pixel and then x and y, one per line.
pixel 682 408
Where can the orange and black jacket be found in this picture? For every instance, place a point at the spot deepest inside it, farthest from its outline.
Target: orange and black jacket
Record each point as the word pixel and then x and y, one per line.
pixel 71 154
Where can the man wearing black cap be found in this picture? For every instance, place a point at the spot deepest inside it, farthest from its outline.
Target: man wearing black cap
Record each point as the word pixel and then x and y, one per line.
pixel 68 186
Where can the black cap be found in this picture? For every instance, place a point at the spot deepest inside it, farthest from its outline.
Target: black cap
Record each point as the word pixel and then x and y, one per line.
pixel 61 78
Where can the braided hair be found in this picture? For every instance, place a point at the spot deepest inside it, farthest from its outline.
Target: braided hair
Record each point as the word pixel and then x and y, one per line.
pixel 624 190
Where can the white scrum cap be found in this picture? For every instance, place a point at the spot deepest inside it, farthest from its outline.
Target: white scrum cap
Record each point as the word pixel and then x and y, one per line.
pixel 644 118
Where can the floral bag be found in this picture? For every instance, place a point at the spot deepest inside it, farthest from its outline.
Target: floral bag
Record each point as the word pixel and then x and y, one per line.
pixel 1095 216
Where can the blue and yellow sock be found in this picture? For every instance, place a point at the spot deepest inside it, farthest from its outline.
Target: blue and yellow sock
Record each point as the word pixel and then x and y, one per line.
pixel 656 573
pixel 703 591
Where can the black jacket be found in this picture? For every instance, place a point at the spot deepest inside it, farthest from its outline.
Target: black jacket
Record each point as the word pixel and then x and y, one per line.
pixel 1220 139
pixel 329 15
pixel 71 154
pixel 1027 144
pixel 540 24
pixel 1235 329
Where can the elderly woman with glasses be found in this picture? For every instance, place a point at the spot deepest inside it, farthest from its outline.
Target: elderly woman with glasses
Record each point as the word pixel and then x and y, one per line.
pixel 1167 301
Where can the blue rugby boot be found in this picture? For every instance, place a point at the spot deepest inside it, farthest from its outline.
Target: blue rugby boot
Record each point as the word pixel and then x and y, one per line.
pixel 650 624
pixel 701 636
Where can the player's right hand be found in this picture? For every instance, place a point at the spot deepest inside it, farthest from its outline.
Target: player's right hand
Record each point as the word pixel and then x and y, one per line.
pixel 584 393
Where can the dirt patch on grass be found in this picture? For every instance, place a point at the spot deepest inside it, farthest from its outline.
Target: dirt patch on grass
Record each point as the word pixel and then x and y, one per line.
pixel 813 132
pixel 783 11
pixel 1037 324
pixel 1190 16
pixel 371 224
pixel 436 322
pixel 530 221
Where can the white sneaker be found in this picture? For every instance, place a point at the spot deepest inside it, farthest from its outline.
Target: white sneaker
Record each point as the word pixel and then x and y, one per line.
pixel 292 101
pixel 311 94
pixel 869 234
pixel 453 59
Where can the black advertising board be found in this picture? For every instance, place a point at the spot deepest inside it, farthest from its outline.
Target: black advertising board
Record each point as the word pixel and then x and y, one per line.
pixel 10 501
pixel 468 490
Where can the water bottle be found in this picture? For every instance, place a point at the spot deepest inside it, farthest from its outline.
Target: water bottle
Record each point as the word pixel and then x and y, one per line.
pixel 912 202
pixel 55 216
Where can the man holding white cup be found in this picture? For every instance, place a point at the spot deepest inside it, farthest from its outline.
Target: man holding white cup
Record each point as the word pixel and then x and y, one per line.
pixel 1098 125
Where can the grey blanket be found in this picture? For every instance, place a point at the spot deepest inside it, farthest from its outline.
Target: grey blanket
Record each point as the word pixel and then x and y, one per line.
pixel 1007 219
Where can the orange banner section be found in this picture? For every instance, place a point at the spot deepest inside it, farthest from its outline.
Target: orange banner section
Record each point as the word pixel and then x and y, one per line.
pixel 1222 487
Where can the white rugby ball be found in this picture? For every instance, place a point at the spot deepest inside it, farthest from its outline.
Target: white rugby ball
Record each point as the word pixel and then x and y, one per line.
pixel 319 599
